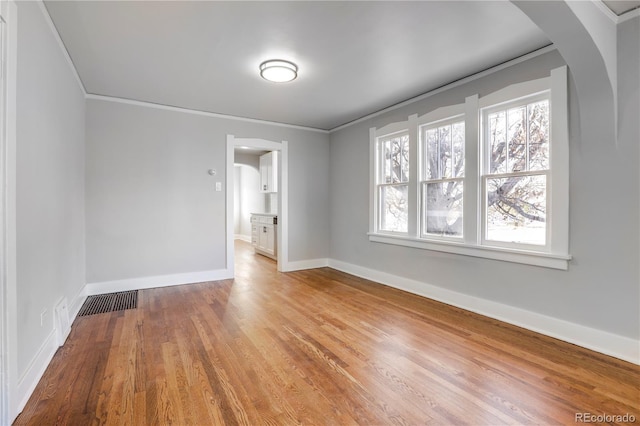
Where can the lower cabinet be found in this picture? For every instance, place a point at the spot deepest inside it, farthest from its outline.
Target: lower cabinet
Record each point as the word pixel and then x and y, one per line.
pixel 264 235
pixel 267 239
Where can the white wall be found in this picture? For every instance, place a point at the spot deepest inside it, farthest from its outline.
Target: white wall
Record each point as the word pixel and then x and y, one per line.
pixel 50 188
pixel 237 176
pixel 151 206
pixel 600 290
pixel 248 200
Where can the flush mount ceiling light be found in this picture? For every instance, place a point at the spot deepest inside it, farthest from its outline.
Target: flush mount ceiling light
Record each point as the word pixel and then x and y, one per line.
pixel 278 70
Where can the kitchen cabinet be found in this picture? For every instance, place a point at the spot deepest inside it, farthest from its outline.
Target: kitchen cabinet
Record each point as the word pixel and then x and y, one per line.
pixel 264 234
pixel 269 172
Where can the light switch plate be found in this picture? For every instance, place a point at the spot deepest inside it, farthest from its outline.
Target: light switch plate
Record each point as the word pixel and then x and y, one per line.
pixel 218 186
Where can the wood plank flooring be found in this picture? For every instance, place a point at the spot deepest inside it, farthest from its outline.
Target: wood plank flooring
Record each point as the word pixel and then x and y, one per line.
pixel 317 347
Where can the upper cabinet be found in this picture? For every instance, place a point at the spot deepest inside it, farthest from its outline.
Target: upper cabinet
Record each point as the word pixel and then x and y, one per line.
pixel 269 172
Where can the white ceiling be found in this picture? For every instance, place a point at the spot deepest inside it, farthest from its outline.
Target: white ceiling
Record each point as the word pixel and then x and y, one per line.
pixel 355 58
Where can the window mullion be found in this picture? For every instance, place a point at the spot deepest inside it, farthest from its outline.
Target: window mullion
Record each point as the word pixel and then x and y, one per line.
pixel 374 176
pixel 413 227
pixel 558 187
pixel 471 197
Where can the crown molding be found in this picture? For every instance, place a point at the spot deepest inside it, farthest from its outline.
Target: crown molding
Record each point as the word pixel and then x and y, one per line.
pixel 91 96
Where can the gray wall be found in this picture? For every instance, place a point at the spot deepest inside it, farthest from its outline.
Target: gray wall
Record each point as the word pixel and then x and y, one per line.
pixel 151 208
pixel 600 289
pixel 50 181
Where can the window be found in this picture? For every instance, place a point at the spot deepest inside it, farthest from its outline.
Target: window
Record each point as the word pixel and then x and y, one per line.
pixel 516 146
pixel 441 187
pixel 393 182
pixel 486 178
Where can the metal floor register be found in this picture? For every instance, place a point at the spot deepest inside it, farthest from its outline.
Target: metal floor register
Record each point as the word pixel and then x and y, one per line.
pixel 112 302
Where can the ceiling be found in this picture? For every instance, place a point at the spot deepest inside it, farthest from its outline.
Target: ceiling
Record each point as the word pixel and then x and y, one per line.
pixel 355 58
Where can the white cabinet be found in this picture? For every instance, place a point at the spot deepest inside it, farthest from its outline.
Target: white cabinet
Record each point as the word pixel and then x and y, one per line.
pixel 264 231
pixel 266 239
pixel 269 172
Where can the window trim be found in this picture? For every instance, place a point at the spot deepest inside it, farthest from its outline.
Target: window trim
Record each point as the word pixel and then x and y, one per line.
pixel 547 260
pixel 425 123
pixel 484 174
pixel 556 254
pixel 374 153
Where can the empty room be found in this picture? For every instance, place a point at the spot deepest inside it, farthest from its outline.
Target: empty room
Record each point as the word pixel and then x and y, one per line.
pixel 310 212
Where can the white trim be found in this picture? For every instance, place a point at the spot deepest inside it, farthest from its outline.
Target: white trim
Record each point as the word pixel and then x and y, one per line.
pixel 601 341
pixel 413 197
pixel 156 282
pixel 300 265
pixel 627 16
pixel 8 280
pixel 617 19
pixel 514 92
pixel 471 205
pixel 546 260
pixel 283 207
pixel 441 114
pixel 606 11
pixel 91 96
pixel 386 133
pixel 392 129
pixel 63 48
pixel 558 231
pixel 241 237
pixel 76 303
pixel 283 195
pixel 373 180
pixel 33 373
pixel 451 85
pixel 230 203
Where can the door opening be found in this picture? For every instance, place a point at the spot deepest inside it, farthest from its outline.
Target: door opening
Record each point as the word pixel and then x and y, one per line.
pixel 259 164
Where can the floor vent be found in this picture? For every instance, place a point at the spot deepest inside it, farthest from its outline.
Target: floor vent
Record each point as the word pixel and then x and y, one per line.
pixel 102 303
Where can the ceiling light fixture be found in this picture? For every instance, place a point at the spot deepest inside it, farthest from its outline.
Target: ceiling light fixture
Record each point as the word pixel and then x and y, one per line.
pixel 278 70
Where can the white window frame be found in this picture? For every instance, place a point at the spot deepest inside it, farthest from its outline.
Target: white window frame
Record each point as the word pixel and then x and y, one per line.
pixel 485 175
pixel 435 119
pixel 555 254
pixel 375 213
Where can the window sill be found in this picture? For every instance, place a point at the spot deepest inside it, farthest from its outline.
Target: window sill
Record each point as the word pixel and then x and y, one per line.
pixel 545 260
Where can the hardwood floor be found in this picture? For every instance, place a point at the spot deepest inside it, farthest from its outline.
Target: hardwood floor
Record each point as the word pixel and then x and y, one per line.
pixel 317 347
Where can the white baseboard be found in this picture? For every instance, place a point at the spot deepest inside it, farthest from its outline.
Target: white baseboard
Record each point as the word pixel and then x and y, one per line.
pixel 246 238
pixel 32 375
pixel 299 265
pixel 76 303
pixel 611 344
pixel 157 281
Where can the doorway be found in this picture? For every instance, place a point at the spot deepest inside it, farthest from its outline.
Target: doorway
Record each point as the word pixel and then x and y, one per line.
pixel 282 201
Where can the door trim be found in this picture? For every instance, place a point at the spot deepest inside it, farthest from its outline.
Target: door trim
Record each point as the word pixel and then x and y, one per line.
pixel 283 196
pixel 8 283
